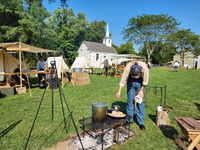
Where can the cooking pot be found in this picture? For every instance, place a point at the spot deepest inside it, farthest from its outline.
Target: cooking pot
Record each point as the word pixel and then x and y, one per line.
pixel 42 84
pixel 77 69
pixel 99 112
pixel 116 107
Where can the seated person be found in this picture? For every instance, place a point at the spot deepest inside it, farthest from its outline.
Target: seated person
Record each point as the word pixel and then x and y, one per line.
pixel 17 76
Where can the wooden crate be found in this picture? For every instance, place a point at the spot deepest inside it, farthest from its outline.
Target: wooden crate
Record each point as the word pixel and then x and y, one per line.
pixel 20 90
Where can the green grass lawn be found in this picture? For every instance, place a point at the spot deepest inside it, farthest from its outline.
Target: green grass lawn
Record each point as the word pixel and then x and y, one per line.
pixel 17 112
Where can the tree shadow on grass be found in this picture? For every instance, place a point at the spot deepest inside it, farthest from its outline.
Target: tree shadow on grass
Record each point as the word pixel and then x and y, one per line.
pixel 2 95
pixel 4 132
pixel 168 131
pixel 67 123
pixel 198 106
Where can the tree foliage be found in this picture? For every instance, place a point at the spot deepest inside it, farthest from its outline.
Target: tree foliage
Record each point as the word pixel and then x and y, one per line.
pixel 95 31
pixel 11 12
pixel 162 54
pixel 185 39
pixel 28 21
pixel 126 48
pixel 148 29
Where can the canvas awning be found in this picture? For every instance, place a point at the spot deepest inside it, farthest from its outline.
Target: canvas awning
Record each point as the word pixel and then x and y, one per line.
pixel 127 56
pixel 19 46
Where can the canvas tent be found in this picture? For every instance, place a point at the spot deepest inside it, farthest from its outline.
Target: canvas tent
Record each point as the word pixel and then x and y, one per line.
pixel 8 64
pixel 117 59
pixel 59 63
pixel 19 46
pixel 79 62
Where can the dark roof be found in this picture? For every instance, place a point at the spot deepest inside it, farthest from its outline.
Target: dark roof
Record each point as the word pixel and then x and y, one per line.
pixel 99 47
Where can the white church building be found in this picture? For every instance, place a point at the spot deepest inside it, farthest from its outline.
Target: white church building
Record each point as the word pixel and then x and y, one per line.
pixel 96 53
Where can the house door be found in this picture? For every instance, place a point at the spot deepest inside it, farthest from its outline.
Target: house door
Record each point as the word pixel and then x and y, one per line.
pixel 182 63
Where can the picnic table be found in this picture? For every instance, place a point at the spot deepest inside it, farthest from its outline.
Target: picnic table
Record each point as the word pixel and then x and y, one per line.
pixel 191 129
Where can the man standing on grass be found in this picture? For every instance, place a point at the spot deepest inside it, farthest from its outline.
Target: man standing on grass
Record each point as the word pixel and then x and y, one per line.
pixel 176 65
pixel 137 75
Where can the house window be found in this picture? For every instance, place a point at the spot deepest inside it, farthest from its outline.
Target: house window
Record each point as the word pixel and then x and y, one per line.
pixel 109 41
pixel 97 57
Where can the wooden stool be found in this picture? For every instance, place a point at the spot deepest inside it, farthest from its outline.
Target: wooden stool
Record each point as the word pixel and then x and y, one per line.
pixel 191 129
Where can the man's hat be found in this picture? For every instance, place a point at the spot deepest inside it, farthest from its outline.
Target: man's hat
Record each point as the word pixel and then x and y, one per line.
pixel 136 71
pixel 41 57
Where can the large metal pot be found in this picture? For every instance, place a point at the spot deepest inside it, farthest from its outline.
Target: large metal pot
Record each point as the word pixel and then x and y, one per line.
pixel 77 69
pixel 99 112
pixel 42 84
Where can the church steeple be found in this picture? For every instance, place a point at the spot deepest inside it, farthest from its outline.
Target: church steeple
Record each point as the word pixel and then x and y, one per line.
pixel 107 31
pixel 107 40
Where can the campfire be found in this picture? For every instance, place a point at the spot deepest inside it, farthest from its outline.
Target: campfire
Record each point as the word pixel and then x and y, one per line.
pixel 111 137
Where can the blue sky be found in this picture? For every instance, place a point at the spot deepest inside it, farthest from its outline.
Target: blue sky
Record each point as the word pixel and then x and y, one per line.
pixel 117 12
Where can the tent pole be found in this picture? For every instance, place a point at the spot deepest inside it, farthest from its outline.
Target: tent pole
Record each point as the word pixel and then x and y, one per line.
pixel 94 65
pixel 100 65
pixel 62 71
pixel 116 67
pixel 54 56
pixel 47 61
pixel 20 64
pixel 108 75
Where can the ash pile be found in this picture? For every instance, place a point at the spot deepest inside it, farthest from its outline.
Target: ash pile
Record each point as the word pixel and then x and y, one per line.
pixel 92 141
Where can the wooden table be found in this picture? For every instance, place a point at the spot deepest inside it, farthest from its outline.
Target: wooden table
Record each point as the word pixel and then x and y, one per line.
pixel 32 72
pixel 191 129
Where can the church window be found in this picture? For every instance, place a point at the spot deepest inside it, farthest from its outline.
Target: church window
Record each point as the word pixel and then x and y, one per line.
pixel 97 57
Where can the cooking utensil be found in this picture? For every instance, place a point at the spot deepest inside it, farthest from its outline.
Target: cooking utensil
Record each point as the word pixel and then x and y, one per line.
pixel 168 106
pixel 99 112
pixel 116 107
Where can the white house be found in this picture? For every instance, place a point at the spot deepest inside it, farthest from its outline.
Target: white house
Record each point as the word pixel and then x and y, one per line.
pixel 97 53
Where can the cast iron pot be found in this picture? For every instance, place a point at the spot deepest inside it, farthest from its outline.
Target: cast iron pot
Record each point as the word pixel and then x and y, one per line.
pixel 77 69
pixel 99 112
pixel 42 84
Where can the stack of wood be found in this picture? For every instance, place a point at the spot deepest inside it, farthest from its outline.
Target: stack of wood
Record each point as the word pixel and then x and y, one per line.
pixel 77 78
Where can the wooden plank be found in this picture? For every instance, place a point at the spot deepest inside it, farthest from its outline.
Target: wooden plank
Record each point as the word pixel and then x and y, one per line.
pixel 194 142
pixel 187 126
pixel 177 140
pixel 193 137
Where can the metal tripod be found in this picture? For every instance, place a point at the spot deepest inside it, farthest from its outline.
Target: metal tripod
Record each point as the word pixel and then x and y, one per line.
pixel 54 83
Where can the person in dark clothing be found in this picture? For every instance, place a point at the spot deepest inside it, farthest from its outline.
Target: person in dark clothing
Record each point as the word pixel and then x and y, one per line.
pixel 17 76
pixel 106 66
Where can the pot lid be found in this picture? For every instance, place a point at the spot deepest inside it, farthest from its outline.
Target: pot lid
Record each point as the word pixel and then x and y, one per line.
pixel 99 104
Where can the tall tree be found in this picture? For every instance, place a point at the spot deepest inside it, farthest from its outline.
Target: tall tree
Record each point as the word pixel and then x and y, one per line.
pixel 185 39
pixel 148 29
pixel 11 12
pixel 126 49
pixel 70 30
pixel 95 31
pixel 32 24
pixel 162 54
